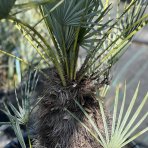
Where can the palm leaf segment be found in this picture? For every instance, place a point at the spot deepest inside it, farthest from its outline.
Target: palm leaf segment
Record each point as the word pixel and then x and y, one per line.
pixel 123 129
pixel 75 24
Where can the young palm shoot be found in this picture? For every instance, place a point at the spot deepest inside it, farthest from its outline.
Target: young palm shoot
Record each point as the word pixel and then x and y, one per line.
pixel 20 115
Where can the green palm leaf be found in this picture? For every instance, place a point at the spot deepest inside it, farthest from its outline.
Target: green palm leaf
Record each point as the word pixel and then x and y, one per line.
pixel 123 127
pixel 23 110
pixel 20 115
pixel 73 25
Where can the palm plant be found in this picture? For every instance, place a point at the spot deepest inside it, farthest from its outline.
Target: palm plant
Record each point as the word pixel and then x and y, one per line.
pixel 72 26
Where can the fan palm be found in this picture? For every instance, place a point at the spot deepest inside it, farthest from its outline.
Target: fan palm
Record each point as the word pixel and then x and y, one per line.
pixel 75 25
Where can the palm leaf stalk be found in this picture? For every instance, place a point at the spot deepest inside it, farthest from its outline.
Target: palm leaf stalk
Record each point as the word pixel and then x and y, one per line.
pixel 73 26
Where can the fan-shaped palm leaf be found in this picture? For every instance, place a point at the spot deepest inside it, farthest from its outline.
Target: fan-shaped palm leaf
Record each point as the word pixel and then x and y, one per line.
pixel 123 126
pixel 20 115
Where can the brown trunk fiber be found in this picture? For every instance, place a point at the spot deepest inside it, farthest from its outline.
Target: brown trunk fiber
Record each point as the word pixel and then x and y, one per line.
pixel 56 127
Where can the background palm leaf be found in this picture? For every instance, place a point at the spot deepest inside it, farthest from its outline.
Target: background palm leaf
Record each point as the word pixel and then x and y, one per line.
pixel 20 114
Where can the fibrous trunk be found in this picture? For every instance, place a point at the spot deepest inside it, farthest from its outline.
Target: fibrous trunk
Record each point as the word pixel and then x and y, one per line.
pixel 56 127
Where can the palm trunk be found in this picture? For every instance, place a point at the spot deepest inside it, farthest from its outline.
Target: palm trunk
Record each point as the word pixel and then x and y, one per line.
pixel 57 128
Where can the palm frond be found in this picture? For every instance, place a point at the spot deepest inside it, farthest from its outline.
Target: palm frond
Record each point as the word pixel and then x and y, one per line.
pixel 15 125
pixel 13 56
pixel 67 26
pixel 23 110
pixel 123 126
pixel 42 47
pixel 121 39
pixel 23 7
pixel 20 114
pixel 73 25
